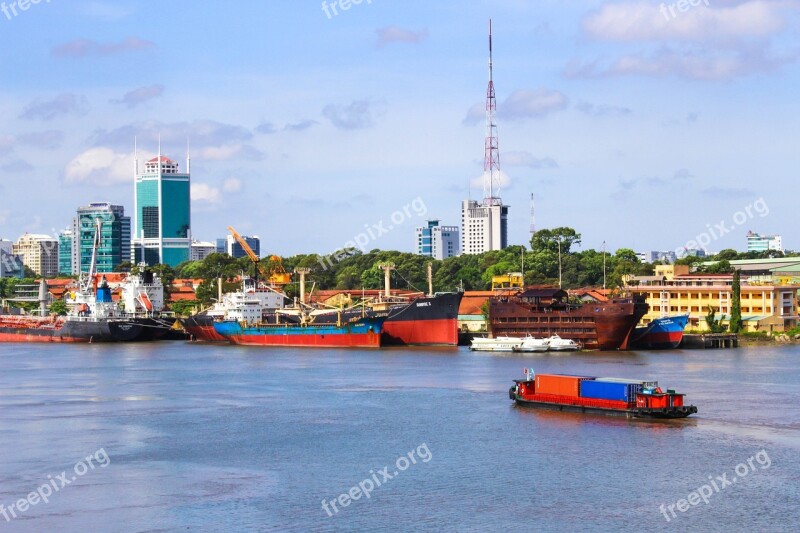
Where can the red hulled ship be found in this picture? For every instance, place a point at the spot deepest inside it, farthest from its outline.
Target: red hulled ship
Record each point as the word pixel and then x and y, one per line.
pixel 543 312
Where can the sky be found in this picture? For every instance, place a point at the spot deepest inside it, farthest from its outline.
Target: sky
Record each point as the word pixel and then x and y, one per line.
pixel 641 124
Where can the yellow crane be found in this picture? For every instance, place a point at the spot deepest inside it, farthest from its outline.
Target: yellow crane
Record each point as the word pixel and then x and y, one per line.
pixel 276 275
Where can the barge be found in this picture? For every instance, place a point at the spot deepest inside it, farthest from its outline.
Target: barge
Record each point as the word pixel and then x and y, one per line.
pixel 607 396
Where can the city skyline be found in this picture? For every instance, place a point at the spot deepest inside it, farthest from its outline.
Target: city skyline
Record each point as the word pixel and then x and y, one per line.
pixel 642 135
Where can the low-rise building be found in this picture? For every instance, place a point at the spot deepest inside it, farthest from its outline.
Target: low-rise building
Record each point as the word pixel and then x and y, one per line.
pixel 766 304
pixel 439 242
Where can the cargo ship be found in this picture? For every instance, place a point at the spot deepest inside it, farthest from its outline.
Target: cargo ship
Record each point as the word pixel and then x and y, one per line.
pixel 664 333
pixel 544 312
pixel 362 332
pixel 608 396
pixel 95 318
pixel 426 320
pixel 253 303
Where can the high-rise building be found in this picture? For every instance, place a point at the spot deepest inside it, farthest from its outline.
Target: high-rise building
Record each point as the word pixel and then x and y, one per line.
pixel 162 213
pixel 762 243
pixel 229 245
pixel 115 237
pixel 439 242
pixel 484 226
pixel 11 265
pixel 39 253
pixel 65 243
pixel 6 245
pixel 201 250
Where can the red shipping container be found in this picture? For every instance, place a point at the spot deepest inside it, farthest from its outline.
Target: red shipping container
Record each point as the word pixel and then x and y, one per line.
pixel 677 400
pixel 559 385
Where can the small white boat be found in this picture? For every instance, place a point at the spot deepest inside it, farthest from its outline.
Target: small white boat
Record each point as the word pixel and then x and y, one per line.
pixel 497 344
pixel 532 344
pixel 557 344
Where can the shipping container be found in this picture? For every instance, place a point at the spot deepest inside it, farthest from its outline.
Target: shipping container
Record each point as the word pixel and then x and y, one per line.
pixel 559 385
pixel 643 383
pixel 610 390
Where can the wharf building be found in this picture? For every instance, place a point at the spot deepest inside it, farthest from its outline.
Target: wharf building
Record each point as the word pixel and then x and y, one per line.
pixel 39 253
pixel 769 295
pixel 162 213
pixel 438 242
pixel 115 239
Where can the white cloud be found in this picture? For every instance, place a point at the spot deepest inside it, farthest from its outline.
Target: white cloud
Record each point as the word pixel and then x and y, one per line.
pixel 100 166
pixel 521 104
pixel 478 182
pixel 232 185
pixel 522 158
pixel 393 34
pixel 203 192
pixel 648 21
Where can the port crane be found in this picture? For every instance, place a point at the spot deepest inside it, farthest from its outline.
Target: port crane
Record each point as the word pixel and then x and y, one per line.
pixel 276 275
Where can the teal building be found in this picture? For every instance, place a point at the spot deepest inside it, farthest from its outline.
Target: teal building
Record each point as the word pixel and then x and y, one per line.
pixel 115 237
pixel 162 213
pixel 65 240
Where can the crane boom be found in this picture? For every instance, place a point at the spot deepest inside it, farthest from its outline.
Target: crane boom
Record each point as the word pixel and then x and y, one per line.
pixel 246 247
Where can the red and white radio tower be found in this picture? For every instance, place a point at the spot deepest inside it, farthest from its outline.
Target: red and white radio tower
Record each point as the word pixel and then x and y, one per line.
pixel 491 151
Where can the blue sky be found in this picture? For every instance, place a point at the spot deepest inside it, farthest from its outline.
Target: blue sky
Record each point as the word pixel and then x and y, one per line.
pixel 635 125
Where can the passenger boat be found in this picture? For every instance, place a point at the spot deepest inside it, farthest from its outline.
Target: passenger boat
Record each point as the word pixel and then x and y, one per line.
pixel 557 344
pixel 664 333
pixel 532 344
pixel 609 396
pixel 497 344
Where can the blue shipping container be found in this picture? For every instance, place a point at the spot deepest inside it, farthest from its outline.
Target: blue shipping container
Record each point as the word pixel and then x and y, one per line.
pixel 610 390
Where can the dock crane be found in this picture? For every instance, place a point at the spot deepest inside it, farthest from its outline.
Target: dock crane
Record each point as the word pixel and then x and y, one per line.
pixel 276 275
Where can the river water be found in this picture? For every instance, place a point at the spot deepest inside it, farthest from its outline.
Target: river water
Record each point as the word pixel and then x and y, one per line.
pixel 190 437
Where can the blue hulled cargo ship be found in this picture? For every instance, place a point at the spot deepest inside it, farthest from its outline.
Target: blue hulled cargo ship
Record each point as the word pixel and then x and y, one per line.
pixel 664 333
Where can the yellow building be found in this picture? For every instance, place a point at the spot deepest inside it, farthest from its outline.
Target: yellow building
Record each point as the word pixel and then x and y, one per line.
pixel 39 253
pixel 768 304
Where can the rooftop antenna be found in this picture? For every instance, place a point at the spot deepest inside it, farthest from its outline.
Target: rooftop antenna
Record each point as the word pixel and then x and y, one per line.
pixel 533 216
pixel 491 152
pixel 188 158
pixel 159 154
pixel 135 158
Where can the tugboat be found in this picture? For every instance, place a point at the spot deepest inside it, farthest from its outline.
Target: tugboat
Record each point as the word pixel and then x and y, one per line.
pixel 608 396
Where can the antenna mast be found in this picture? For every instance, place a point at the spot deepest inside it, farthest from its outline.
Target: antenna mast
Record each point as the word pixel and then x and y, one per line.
pixel 491 152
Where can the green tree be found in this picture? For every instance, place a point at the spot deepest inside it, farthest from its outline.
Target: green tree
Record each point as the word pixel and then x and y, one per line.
pixel 59 307
pixel 736 304
pixel 549 239
pixel 714 325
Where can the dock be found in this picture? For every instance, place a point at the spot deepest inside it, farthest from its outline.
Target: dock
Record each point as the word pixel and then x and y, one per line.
pixel 710 340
